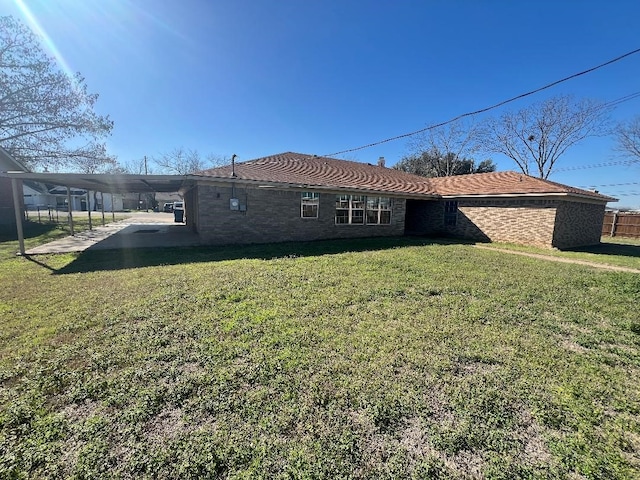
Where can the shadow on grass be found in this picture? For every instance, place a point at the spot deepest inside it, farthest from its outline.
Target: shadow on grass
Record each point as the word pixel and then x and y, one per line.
pixel 30 230
pixel 620 249
pixel 104 260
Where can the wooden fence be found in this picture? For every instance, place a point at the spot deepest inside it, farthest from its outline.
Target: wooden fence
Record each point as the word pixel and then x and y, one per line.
pixel 621 224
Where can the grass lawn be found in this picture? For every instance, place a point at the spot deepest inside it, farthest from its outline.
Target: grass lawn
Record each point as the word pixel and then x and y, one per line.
pixel 385 358
pixel 618 251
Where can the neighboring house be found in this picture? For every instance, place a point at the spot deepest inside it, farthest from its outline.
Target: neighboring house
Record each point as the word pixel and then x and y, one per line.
pixel 297 197
pixel 40 196
pixel 7 211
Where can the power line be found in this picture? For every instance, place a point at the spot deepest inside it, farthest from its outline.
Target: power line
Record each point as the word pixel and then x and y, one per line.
pixel 620 100
pixel 486 109
pixel 622 194
pixel 610 185
pixel 596 165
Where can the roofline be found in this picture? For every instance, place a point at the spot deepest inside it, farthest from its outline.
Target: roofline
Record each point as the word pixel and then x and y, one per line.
pixel 301 187
pixel 5 153
pixel 91 176
pixel 99 179
pixel 599 199
pixel 108 183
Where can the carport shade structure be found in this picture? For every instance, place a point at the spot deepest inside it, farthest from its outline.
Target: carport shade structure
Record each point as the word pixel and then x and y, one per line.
pixel 99 182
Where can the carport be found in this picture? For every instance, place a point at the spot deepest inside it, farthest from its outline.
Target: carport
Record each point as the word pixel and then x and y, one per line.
pixel 103 183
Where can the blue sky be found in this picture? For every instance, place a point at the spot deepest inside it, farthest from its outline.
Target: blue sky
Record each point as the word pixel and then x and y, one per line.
pixel 260 77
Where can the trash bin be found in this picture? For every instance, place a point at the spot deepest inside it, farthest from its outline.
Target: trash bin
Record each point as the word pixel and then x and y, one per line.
pixel 178 216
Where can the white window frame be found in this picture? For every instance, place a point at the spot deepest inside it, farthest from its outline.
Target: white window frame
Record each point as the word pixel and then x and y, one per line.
pixel 382 205
pixel 355 209
pixel 309 199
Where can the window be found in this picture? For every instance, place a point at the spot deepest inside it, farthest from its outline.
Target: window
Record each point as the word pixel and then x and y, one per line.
pixel 450 213
pixel 354 209
pixel 378 211
pixel 309 205
pixel 350 209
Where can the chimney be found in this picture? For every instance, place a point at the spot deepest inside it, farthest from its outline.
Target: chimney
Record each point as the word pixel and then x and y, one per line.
pixel 381 162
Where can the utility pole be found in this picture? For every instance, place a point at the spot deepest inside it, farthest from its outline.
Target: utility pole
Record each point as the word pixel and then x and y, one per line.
pixel 145 165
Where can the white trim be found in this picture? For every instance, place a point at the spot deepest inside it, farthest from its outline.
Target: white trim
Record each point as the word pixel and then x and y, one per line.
pixel 471 196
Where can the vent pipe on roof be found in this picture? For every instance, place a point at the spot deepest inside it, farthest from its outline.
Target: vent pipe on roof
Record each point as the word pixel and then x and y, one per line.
pixel 233 165
pixel 381 162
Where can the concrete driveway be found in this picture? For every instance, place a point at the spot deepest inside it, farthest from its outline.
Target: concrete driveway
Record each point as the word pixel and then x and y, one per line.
pixel 142 230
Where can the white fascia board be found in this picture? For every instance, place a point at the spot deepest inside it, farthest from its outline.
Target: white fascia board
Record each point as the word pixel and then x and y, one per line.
pixel 532 195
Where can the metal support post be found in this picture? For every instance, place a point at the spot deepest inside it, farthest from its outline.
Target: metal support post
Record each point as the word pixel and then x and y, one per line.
pixel 17 197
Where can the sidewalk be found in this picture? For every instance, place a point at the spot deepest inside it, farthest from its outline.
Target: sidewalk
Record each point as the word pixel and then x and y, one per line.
pixel 561 260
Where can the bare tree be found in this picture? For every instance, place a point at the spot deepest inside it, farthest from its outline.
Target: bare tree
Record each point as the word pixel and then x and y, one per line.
pixel 180 161
pixel 99 162
pixel 139 166
pixel 537 136
pixel 448 149
pixel 46 116
pixel 628 139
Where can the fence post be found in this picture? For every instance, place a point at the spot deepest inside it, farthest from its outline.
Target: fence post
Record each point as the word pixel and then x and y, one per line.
pixel 613 223
pixel 89 210
pixel 102 206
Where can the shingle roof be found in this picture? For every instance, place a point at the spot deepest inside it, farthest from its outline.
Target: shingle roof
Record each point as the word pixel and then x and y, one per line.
pixel 505 183
pixel 297 169
pixel 309 170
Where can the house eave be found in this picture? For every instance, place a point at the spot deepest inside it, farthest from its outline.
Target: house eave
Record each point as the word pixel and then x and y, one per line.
pixel 564 195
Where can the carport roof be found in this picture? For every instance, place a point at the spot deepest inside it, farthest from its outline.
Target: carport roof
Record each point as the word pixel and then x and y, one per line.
pixel 111 183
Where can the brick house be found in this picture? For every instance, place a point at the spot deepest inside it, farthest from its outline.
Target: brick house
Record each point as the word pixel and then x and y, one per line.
pixel 298 197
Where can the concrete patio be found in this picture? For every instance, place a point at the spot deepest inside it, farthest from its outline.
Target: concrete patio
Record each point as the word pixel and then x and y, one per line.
pixel 142 230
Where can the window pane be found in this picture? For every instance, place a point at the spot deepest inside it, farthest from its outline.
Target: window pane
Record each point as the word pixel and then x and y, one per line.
pixel 450 207
pixel 357 216
pixel 342 216
pixel 357 201
pixel 385 217
pixel 372 217
pixel 310 210
pixel 372 202
pixel 385 203
pixel 342 201
pixel 310 196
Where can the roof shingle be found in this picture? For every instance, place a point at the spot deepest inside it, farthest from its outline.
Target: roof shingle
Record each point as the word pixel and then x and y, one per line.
pixel 298 169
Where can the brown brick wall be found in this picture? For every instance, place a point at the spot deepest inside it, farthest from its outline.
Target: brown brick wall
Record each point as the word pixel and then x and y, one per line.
pixel 274 216
pixel 522 221
pixel 578 224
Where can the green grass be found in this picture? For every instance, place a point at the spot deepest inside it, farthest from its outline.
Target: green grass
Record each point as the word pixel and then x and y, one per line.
pixel 385 358
pixel 617 251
